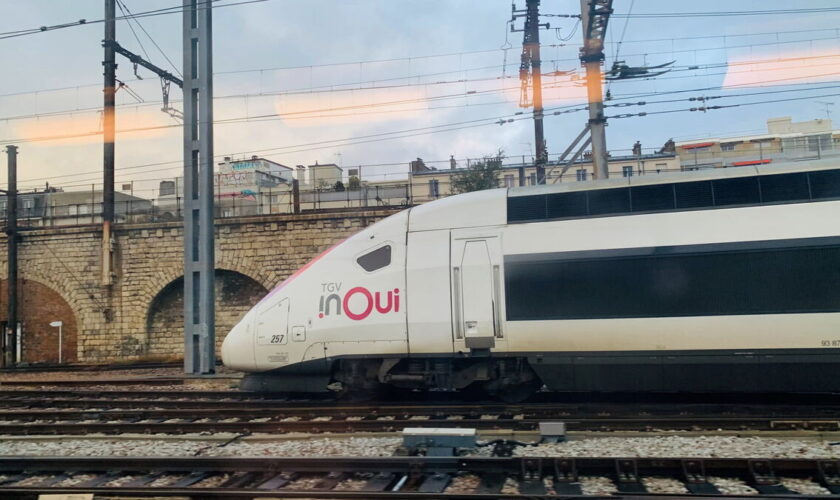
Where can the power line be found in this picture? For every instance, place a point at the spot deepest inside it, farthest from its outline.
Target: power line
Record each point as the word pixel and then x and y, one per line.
pixel 836 30
pixel 148 13
pixel 715 107
pixel 352 141
pixel 132 17
pixel 309 113
pixel 735 35
pixel 293 92
pixel 120 6
pixel 414 131
pixel 766 12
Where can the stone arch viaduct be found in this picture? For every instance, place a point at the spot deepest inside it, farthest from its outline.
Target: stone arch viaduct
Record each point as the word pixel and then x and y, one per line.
pixel 139 316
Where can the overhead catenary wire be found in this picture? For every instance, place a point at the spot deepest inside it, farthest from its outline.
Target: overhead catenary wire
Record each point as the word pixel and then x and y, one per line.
pixel 131 17
pixel 293 92
pixel 278 115
pixel 149 13
pixel 463 53
pixel 285 150
pixel 143 48
pixel 317 112
pixel 333 87
pixel 723 106
pixel 730 13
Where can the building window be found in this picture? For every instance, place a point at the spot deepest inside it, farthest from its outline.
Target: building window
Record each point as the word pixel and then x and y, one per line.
pixel 532 179
pixel 661 166
pixel 509 181
pixel 167 188
pixel 2 206
pixel 83 209
pixel 730 146
pixel 627 171
pixel 581 174
pixel 434 188
pixel 28 204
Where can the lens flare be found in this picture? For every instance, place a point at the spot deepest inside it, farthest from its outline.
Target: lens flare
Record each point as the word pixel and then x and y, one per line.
pixel 811 66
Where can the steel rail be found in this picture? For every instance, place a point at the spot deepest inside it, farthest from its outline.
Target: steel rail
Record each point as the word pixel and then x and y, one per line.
pixel 402 477
pixel 379 424
pixel 91 415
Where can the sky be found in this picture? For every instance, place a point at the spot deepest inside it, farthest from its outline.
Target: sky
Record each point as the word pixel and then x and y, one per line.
pixel 378 83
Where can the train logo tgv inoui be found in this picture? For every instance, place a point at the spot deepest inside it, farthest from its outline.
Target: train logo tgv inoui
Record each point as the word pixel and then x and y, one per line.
pixel 357 303
pixel 718 280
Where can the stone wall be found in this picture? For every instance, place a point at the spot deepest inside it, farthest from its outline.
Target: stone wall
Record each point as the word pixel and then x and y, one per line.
pixel 139 316
pixel 235 295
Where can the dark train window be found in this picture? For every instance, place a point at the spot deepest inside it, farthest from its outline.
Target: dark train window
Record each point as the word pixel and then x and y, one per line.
pixel 693 194
pixel 736 191
pixel 731 280
pixel 825 184
pixel 609 201
pixel 784 187
pixel 526 208
pixel 752 190
pixel 376 259
pixel 567 205
pixel 653 197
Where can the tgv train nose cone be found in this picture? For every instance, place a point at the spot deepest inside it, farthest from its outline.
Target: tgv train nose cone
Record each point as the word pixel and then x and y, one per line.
pixel 238 348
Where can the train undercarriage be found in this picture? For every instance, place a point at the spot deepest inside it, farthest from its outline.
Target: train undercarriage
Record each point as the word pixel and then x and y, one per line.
pixel 507 379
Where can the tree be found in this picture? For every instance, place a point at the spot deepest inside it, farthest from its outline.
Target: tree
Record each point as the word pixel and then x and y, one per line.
pixel 480 175
pixel 353 183
pixel 339 186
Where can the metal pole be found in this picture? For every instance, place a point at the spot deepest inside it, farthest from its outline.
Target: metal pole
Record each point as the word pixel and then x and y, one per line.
pixel 59 343
pixel 9 358
pixel 594 24
pixel 108 114
pixel 199 258
pixel 295 196
pixel 532 45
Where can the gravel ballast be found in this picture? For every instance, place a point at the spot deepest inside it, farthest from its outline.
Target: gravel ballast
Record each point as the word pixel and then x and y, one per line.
pixel 680 446
pixel 372 446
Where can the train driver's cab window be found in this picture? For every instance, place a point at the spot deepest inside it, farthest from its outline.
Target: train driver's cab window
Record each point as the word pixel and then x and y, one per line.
pixel 376 259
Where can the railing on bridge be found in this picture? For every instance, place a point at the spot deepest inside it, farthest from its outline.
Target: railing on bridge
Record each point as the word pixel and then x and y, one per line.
pixel 35 209
pixel 41 209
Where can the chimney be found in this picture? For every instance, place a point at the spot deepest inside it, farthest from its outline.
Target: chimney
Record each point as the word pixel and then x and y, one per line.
pixel 227 158
pixel 254 157
pixel 452 163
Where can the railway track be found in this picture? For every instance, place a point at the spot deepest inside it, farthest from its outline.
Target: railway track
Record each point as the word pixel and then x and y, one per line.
pixel 413 477
pixel 76 413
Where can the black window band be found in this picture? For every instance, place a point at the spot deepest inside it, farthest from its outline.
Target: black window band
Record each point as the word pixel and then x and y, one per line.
pixel 731 279
pixel 691 195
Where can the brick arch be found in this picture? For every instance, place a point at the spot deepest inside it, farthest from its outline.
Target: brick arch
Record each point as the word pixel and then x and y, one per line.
pixel 43 304
pixel 246 268
pixel 60 283
pixel 236 293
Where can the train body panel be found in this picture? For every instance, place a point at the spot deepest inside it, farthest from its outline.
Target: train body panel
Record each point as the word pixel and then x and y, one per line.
pixel 427 273
pixel 495 288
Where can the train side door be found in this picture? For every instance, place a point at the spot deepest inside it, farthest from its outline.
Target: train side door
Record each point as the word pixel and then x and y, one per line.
pixel 272 333
pixel 477 290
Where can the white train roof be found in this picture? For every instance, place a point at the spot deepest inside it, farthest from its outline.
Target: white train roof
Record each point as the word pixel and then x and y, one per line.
pixel 480 208
pixel 669 177
pixel 488 208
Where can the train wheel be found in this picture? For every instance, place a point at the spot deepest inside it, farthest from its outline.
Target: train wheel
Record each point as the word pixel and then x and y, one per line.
pixel 358 380
pixel 515 381
pixel 517 393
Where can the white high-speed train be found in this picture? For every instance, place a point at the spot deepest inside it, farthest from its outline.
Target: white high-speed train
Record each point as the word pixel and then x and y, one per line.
pixel 721 280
